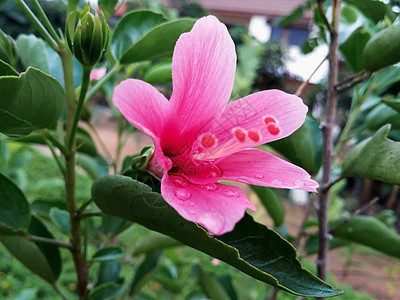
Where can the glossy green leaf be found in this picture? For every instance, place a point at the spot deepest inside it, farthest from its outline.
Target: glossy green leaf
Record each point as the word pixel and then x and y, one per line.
pixel 131 28
pixel 33 53
pixel 154 241
pixel 376 158
pixel 60 218
pixel 145 35
pixel 294 15
pixel 7 70
pixel 352 49
pixel 108 253
pixel 108 7
pixel 382 115
pixel 360 229
pixel 112 225
pixel 270 199
pixel 144 271
pixel 106 291
pixel 159 42
pixel 159 74
pixel 15 212
pixel 250 247
pixel 31 101
pixel 373 9
pixel 303 147
pixel 40 258
pixel 392 103
pixel 108 272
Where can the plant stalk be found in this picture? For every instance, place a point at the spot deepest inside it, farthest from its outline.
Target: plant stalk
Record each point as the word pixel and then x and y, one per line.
pixel 327 130
pixel 70 176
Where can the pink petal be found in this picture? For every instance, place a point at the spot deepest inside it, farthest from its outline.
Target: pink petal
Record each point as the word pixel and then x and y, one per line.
pixel 249 114
pixel 258 167
pixel 145 108
pixel 98 73
pixel 216 207
pixel 203 71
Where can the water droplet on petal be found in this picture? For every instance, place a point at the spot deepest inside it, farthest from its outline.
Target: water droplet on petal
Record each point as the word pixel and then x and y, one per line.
pixel 191 203
pixel 178 181
pixel 211 172
pixel 277 182
pixel 210 187
pixel 251 162
pixel 183 194
pixel 168 163
pixel 231 193
pixel 259 176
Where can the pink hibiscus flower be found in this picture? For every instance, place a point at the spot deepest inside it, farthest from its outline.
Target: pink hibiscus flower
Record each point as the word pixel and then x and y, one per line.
pixel 200 139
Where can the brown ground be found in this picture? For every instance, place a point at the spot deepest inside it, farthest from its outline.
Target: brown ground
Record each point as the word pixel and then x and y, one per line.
pixel 369 272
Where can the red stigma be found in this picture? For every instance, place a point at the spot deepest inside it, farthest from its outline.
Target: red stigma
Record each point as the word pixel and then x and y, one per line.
pixel 273 128
pixel 208 140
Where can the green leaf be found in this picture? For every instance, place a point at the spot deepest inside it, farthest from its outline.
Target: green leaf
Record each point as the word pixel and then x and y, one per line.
pixel 7 70
pixel 144 271
pixel 159 74
pixel 361 229
pixel 303 147
pixel 31 101
pixel 33 53
pixel 94 166
pixel 376 158
pixel 158 42
pixel 294 15
pixel 108 272
pixel 352 49
pixel 154 241
pixel 373 9
pixel 392 103
pixel 42 259
pixel 145 35
pixel 61 219
pixel 131 28
pixel 108 253
pixel 15 212
pixel 382 115
pixel 108 7
pixel 271 202
pixel 106 291
pixel 250 247
pixel 210 285
pixel 112 225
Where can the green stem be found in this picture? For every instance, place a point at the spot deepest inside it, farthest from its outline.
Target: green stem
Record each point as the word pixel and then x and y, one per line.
pixel 92 214
pixel 39 26
pixel 81 101
pixel 46 22
pixel 102 81
pixel 70 176
pixel 56 157
pixel 47 135
pixel 41 239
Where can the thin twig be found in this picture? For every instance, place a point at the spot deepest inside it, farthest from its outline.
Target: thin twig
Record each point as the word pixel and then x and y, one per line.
pixel 58 291
pixel 330 184
pixel 41 239
pixel 353 80
pixel 354 214
pixel 327 132
pixel 305 83
pixel 323 16
pixel 306 214
pixel 92 214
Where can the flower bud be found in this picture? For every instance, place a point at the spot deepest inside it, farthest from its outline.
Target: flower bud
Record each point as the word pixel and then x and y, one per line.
pixel 89 41
pixel 8 49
